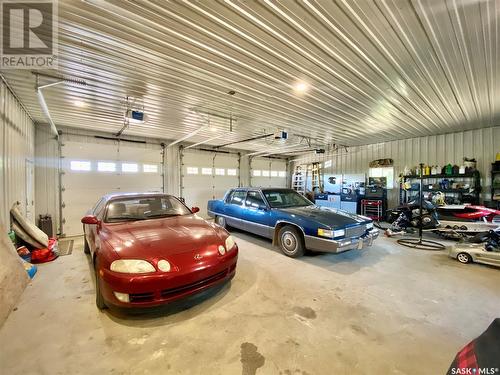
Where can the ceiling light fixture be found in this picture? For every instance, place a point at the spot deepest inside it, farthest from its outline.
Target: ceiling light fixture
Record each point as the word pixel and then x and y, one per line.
pixel 301 87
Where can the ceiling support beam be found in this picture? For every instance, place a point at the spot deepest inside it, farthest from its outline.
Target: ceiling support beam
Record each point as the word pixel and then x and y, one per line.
pixel 45 108
pixel 246 140
pixel 301 149
pixel 205 141
pixel 187 136
pixel 41 98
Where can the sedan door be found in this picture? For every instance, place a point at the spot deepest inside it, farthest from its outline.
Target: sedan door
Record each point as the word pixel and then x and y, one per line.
pixel 233 208
pixel 491 257
pixel 90 231
pixel 256 214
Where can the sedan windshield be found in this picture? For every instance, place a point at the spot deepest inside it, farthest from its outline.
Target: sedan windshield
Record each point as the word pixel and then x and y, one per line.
pixel 285 198
pixel 142 208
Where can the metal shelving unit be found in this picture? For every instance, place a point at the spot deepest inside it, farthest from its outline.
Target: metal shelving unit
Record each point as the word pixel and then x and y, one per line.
pixel 495 185
pixel 475 186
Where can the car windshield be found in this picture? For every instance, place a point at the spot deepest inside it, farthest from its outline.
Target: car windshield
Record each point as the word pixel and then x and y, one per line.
pixel 143 208
pixel 285 198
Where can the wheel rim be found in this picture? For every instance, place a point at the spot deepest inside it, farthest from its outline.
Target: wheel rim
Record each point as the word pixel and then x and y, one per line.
pixel 463 258
pixel 289 242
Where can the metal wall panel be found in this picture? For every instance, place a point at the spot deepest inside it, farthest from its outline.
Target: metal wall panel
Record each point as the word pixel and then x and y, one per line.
pixel 481 144
pixel 16 151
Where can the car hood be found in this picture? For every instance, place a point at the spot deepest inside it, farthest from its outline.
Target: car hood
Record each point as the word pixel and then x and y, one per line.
pixel 162 237
pixel 327 216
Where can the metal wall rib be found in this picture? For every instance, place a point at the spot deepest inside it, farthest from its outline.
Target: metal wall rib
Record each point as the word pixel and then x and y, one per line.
pixel 16 147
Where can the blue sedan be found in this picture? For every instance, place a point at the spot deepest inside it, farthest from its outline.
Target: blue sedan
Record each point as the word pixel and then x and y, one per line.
pixel 293 222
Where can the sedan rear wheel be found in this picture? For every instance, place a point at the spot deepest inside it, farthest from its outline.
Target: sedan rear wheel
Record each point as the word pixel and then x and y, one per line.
pixel 464 258
pixel 291 242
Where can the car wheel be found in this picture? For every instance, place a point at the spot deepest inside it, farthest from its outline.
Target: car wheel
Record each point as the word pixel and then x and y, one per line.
pixel 291 242
pixel 221 221
pixel 99 299
pixel 464 258
pixel 86 247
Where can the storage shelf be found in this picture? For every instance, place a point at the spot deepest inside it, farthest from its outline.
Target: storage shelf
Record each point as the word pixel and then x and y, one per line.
pixel 444 190
pixel 472 179
pixel 466 175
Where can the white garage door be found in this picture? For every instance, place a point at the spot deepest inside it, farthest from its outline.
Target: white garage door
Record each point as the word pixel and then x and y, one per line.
pixel 94 167
pixel 268 172
pixel 207 175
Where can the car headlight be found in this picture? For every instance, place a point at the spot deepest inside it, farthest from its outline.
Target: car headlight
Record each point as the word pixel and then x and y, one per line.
pixel 339 233
pixel 230 243
pixel 369 225
pixel 325 233
pixel 131 266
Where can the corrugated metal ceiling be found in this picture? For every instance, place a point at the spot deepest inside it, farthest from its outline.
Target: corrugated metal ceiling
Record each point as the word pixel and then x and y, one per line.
pixel 375 70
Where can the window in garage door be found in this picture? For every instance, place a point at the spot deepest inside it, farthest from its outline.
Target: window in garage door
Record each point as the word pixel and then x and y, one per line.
pixel 268 173
pixel 215 174
pixel 93 167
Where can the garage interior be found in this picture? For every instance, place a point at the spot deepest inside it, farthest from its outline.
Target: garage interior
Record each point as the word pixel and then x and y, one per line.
pixel 360 106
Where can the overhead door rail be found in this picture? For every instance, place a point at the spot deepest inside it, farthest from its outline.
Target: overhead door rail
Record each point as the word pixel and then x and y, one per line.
pixel 41 98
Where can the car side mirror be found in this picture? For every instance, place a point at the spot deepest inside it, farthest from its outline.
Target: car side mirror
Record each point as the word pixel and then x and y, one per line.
pixel 195 209
pixel 90 219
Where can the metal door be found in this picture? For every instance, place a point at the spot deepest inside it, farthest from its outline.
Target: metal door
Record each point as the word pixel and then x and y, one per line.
pixel 92 168
pixel 207 175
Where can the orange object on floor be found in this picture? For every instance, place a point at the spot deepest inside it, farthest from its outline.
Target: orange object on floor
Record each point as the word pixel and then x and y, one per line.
pixel 46 254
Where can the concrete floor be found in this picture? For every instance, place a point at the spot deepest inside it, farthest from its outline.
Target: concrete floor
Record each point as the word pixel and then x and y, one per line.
pixel 386 310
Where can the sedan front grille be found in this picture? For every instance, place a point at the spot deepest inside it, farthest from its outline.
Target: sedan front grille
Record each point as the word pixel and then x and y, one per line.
pixel 356 231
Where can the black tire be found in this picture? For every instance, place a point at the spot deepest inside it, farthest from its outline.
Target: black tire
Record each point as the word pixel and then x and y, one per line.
pixel 464 258
pixel 291 241
pixel 221 221
pixel 99 299
pixel 86 247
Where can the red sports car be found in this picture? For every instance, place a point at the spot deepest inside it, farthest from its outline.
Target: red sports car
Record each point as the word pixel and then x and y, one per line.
pixel 150 249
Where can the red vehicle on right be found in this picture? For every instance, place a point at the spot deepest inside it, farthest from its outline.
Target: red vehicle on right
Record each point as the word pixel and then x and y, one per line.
pixel 450 221
pixel 469 213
